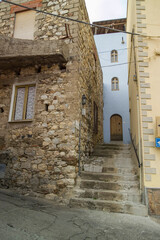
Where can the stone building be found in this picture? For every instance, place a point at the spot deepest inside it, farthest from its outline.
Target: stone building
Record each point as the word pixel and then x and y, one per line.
pixel 112 51
pixel 143 56
pixel 48 67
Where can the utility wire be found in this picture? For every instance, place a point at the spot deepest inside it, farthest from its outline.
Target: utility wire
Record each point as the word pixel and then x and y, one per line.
pixel 74 20
pixel 114 65
pixel 115 49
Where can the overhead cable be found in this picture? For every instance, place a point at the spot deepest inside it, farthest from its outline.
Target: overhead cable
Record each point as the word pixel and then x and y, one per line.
pixel 78 21
pixel 118 64
pixel 116 49
pixel 71 19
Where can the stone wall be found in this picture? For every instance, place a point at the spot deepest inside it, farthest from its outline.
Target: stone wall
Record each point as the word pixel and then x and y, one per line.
pixel 90 82
pixel 42 155
pixel 46 27
pixel 153 201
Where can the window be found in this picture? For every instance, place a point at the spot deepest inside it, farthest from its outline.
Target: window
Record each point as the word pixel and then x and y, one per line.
pixel 115 84
pixel 23 104
pixel 95 118
pixel 24 25
pixel 114 56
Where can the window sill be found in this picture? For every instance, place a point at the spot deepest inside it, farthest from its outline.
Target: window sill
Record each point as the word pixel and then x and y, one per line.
pixel 21 121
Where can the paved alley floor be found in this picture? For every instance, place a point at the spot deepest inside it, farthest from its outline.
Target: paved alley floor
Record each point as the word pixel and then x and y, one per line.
pixel 25 218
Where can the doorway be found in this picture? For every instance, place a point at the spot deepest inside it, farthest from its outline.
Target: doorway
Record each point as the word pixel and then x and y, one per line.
pixel 116 128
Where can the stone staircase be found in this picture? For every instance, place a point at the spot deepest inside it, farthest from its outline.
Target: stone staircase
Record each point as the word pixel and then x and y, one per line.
pixel 109 182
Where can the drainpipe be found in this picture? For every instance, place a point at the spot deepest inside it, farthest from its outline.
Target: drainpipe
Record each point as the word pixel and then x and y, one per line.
pixel 84 99
pixel 79 159
pixel 139 145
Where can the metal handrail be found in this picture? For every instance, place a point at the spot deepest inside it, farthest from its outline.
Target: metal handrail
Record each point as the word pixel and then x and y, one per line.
pixel 139 163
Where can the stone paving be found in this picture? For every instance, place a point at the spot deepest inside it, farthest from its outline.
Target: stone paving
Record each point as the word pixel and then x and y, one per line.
pixel 37 219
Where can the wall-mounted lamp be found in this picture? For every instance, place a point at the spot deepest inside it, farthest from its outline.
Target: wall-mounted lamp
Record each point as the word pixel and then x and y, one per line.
pixel 123 41
pixel 84 99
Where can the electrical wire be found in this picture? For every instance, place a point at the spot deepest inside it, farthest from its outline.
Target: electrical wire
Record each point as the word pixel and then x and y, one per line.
pixel 116 49
pixel 114 65
pixel 74 20
pixel 107 57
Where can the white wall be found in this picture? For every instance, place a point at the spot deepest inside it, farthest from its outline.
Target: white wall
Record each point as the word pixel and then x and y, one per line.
pixel 115 102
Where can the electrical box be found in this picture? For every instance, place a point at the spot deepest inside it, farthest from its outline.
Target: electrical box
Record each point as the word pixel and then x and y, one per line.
pixel 135 77
pixel 158 127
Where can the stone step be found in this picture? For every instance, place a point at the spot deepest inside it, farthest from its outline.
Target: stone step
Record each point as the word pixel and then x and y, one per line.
pixel 109 181
pixel 133 196
pixel 123 185
pixel 114 146
pixel 110 206
pixel 111 155
pixel 122 170
pixel 101 160
pixel 107 177
pixel 110 150
pixel 92 166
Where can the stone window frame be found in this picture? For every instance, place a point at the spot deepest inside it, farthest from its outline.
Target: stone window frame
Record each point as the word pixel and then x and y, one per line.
pixel 115 84
pixel 13 102
pixel 114 56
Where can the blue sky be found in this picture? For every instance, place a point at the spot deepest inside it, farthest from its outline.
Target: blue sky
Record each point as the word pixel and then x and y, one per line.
pixel 106 9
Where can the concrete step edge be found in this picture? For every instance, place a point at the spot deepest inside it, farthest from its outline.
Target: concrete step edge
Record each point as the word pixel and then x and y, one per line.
pixel 114 145
pixel 130 193
pixel 119 182
pixel 106 201
pixel 109 174
pixel 110 206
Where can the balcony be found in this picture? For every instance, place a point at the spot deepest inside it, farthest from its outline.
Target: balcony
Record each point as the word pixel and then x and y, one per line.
pixel 23 53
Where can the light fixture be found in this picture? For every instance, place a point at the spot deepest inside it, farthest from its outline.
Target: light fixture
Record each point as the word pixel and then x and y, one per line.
pixel 123 41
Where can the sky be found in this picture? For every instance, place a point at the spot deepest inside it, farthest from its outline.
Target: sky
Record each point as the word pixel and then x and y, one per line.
pixel 99 10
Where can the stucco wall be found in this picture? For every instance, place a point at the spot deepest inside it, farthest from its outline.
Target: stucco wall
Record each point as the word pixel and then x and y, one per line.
pixel 146 22
pixel 115 102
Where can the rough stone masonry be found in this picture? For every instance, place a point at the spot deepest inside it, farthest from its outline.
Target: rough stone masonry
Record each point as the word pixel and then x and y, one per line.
pixel 61 64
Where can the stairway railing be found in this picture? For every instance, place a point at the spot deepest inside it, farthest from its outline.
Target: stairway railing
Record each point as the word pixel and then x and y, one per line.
pixel 139 163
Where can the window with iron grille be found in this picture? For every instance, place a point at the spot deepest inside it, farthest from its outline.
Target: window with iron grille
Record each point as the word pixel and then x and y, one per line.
pixel 23 104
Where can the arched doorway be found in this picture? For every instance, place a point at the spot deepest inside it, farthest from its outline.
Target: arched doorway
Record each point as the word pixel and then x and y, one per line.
pixel 116 128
